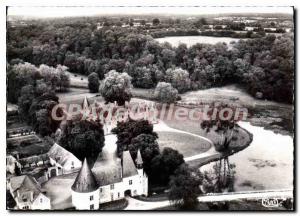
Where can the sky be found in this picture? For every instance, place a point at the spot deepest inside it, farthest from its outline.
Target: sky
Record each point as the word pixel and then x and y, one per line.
pixel 90 11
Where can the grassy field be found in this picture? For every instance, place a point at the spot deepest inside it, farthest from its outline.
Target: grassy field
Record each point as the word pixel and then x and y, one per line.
pixel 184 143
pixel 78 80
pixel 143 93
pixel 194 127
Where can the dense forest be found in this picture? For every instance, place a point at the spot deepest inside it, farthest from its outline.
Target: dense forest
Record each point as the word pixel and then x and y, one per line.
pixel 264 66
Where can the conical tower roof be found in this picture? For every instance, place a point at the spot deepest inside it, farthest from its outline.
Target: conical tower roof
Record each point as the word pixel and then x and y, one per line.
pixel 139 159
pixel 85 181
pixel 85 104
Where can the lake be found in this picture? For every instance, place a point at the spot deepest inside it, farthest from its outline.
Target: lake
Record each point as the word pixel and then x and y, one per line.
pixel 192 40
pixel 266 164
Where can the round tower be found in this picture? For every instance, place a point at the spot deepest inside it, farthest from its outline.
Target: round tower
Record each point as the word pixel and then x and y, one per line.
pixel 143 188
pixel 85 193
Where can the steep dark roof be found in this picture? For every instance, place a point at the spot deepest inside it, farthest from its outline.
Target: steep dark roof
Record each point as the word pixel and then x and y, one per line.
pixel 85 181
pixel 25 185
pixel 107 173
pixel 85 104
pixel 129 168
pixel 139 159
pixel 61 155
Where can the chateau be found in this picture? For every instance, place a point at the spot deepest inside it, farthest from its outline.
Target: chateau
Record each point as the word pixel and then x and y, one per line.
pixel 110 178
pixel 108 181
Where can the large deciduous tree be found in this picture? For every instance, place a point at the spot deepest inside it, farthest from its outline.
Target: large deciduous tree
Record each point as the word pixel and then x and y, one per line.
pixel 116 87
pixel 164 165
pixel 85 139
pixel 164 92
pixel 93 84
pixel 184 188
pixel 179 79
pixel 127 131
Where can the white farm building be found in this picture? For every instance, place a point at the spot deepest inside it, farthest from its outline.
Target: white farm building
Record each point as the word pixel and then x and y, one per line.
pixel 27 193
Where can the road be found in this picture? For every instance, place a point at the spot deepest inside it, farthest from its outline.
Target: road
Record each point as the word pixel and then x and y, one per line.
pixel 134 204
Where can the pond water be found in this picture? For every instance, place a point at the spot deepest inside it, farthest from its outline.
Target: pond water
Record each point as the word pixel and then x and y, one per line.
pixel 266 164
pixel 192 40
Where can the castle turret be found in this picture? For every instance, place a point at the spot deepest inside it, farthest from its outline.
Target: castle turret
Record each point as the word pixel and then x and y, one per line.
pixel 139 160
pixel 85 104
pixel 142 175
pixel 85 193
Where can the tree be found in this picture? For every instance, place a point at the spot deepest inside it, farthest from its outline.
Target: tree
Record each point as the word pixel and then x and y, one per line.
pixel 143 22
pixel 200 22
pixel 218 120
pixel 179 79
pixel 184 188
pixel 164 165
pixel 164 92
pixel 141 77
pixel 40 114
pixel 147 144
pixel 85 139
pixel 126 131
pixel 64 79
pixel 221 178
pixel 223 71
pixel 155 21
pixel 25 101
pixel 116 87
pixel 168 57
pixel 93 84
pixel 18 76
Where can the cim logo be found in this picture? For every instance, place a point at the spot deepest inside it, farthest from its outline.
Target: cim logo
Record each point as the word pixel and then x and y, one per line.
pixel 272 202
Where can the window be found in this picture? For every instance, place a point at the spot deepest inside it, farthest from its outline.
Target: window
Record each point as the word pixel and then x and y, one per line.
pixel 72 165
pixel 130 182
pixel 112 196
pixel 119 195
pixel 92 207
pixel 112 187
pixel 91 198
pixel 41 200
pixel 100 190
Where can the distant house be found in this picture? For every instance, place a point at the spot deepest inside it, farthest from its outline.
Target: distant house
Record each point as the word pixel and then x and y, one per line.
pixel 288 29
pixel 270 29
pixel 250 28
pixel 27 193
pixel 63 160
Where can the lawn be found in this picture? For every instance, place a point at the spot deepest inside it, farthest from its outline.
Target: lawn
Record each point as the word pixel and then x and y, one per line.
pixel 186 144
pixel 195 128
pixel 58 189
pixel 143 93
pixel 75 95
pixel 78 80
